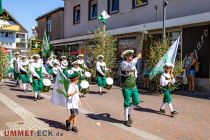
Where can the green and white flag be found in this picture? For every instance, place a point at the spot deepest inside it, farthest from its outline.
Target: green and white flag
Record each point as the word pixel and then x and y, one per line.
pixel 1 7
pixel 45 45
pixel 60 89
pixel 170 56
pixel 102 18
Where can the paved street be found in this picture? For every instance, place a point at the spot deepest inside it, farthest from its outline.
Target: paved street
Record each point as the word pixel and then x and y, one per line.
pixel 101 117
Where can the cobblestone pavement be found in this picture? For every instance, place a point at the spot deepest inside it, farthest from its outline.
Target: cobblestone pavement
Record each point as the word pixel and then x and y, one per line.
pixel 101 117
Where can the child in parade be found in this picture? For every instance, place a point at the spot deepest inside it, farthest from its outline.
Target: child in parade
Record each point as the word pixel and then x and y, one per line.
pixel 128 74
pixel 15 61
pixel 166 81
pixel 24 70
pixel 73 102
pixel 37 69
pixel 101 70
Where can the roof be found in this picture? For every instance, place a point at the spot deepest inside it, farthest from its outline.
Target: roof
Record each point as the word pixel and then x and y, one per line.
pixel 50 12
pixel 24 29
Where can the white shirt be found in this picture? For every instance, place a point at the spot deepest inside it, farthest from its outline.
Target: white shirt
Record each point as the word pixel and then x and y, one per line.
pixel 64 64
pixel 72 70
pixel 37 65
pixel 164 82
pixel 15 63
pixel 21 64
pixel 81 62
pixel 73 101
pixel 98 67
pixel 129 66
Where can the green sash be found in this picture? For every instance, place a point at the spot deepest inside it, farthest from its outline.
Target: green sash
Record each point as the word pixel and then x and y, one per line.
pixel 129 81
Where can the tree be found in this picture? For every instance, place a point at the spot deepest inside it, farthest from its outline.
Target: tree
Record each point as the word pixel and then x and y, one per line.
pixel 3 62
pixel 104 44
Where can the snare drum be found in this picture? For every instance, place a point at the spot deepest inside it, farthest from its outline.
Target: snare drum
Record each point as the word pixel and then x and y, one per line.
pixel 87 75
pixel 46 85
pixel 84 87
pixel 109 83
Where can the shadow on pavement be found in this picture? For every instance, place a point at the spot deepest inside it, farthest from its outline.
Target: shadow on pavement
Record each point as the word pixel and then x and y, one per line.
pixel 53 123
pixel 104 117
pixel 27 97
pixel 149 110
pixel 10 85
pixel 16 89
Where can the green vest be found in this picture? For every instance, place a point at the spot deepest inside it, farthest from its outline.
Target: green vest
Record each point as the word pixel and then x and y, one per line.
pixel 129 81
pixel 39 71
pixel 103 69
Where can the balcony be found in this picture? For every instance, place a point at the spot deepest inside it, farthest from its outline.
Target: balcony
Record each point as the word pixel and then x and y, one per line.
pixel 20 40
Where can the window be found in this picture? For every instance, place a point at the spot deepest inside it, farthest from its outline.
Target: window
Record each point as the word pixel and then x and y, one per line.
pixel 139 3
pixel 76 14
pixel 2 34
pixel 113 6
pixel 6 34
pixel 10 35
pixel 49 24
pixel 93 9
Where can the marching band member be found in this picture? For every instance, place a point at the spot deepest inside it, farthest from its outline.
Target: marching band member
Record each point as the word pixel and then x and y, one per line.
pixel 24 70
pixel 15 61
pixel 101 70
pixel 128 74
pixel 81 62
pixel 166 81
pixel 77 69
pixel 64 64
pixel 55 70
pixel 37 69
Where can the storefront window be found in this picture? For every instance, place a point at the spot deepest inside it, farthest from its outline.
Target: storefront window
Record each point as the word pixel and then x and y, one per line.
pixel 73 52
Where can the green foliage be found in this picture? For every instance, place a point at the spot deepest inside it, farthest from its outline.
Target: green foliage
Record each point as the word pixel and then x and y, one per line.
pixel 3 62
pixel 152 53
pixel 104 44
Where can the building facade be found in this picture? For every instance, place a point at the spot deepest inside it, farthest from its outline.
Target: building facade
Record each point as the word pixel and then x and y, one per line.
pixel 52 23
pixel 188 19
pixel 13 36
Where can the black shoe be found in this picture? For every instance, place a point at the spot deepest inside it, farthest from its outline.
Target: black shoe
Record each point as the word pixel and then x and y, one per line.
pixel 130 119
pixel 39 98
pixel 174 113
pixel 74 129
pixel 162 111
pixel 68 125
pixel 127 123
pixel 35 99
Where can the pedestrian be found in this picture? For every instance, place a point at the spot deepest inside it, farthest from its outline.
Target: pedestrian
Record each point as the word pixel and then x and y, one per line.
pixel 190 71
pixel 37 69
pixel 101 70
pixel 128 74
pixel 81 62
pixel 166 81
pixel 64 64
pixel 73 102
pixel 25 72
pixel 55 69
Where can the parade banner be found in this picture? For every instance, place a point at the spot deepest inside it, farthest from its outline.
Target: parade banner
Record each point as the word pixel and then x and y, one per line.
pixel 60 89
pixel 45 45
pixel 35 47
pixel 1 7
pixel 170 56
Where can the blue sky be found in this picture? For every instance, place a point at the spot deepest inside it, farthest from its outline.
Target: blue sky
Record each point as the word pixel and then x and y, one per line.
pixel 26 11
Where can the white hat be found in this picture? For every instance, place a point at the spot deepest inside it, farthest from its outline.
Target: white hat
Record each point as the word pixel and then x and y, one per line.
pixel 100 56
pixel 168 64
pixel 63 57
pixel 80 55
pixel 16 53
pixel 126 53
pixel 74 63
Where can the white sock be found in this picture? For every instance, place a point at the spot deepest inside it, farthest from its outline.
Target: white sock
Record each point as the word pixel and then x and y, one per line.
pixel 36 94
pixel 171 107
pixel 100 89
pixel 131 108
pixel 126 113
pixel 163 106
pixel 24 86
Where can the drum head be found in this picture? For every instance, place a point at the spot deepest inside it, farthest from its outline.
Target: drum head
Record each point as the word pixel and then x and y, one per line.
pixel 84 84
pixel 109 81
pixel 46 82
pixel 87 74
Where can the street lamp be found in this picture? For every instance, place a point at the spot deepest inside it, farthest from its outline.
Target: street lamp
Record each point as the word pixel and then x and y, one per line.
pixel 165 3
